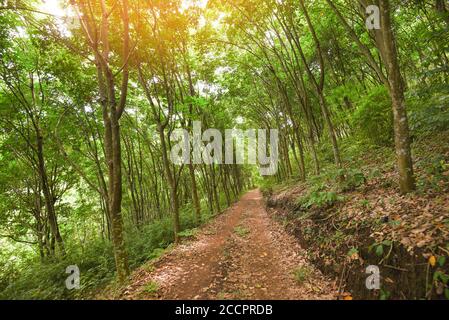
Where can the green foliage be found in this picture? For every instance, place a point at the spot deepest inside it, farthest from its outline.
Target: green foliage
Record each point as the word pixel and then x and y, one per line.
pixel 373 117
pixel 46 280
pixel 379 247
pixel 189 233
pixel 379 250
pixel 384 294
pixel 436 169
pixel 364 203
pixel 352 179
pixel 342 99
pixel 36 280
pixel 352 252
pixel 323 189
pixel 266 186
pixel 269 184
pixel 319 199
pixel 441 276
pixel 145 244
pixel 151 288
pixel 142 243
pixel 241 231
pixel 302 273
pixel 441 261
pixel 49 90
pixel 429 109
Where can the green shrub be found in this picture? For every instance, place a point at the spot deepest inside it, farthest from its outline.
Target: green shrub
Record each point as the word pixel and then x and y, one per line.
pixel 158 234
pixel 189 233
pixel 341 179
pixel 320 199
pixel 30 278
pixel 353 178
pixel 302 273
pixel 428 109
pixel 373 117
pixel 33 279
pixel 46 280
pixel 151 288
pixel 436 168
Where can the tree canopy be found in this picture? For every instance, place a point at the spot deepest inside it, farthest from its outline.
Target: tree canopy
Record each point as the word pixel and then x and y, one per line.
pixel 91 92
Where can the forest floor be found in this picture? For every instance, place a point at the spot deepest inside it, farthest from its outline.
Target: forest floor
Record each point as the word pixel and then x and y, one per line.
pixel 242 254
pixel 346 226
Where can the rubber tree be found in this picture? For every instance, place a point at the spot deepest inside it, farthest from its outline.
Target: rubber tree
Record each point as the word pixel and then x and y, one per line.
pixel 96 18
pixel 385 42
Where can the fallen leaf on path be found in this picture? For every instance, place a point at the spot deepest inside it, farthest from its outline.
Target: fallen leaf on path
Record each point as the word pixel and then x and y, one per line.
pixel 432 261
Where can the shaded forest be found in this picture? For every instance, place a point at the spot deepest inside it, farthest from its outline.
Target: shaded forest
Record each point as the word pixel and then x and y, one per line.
pixel 92 91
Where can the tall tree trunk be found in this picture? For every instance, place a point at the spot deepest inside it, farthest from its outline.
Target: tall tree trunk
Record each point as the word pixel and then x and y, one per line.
pixel 48 196
pixel 401 129
pixel 395 85
pixel 113 158
pixel 319 85
pixel 330 128
pixel 174 202
pixel 195 198
pixel 216 194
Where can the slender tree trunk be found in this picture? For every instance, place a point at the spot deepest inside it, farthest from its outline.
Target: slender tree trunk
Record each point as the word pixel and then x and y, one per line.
pixel 195 198
pixel 48 197
pixel 319 86
pixel 171 183
pixel 113 158
pixel 401 129
pixel 216 194
pixel 224 180
pixel 96 31
pixel 330 129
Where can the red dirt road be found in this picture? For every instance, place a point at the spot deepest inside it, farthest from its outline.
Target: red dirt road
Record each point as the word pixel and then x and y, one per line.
pixel 242 254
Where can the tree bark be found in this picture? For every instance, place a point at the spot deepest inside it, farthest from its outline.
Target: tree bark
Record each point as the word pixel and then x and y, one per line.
pixel 396 87
pixel 171 183
pixel 48 197
pixel 195 198
pixel 112 110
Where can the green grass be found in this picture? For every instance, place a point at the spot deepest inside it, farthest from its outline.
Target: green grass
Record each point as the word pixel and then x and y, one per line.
pixel 302 273
pixel 189 233
pixel 151 288
pixel 241 231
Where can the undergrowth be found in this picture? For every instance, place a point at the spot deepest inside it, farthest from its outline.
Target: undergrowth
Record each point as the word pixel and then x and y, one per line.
pixel 34 279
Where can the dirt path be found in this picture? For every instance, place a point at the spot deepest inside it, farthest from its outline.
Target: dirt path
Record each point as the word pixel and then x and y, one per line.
pixel 242 254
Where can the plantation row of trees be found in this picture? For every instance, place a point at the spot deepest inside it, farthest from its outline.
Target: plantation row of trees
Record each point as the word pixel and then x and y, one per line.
pixel 315 62
pixel 87 114
pixel 89 103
